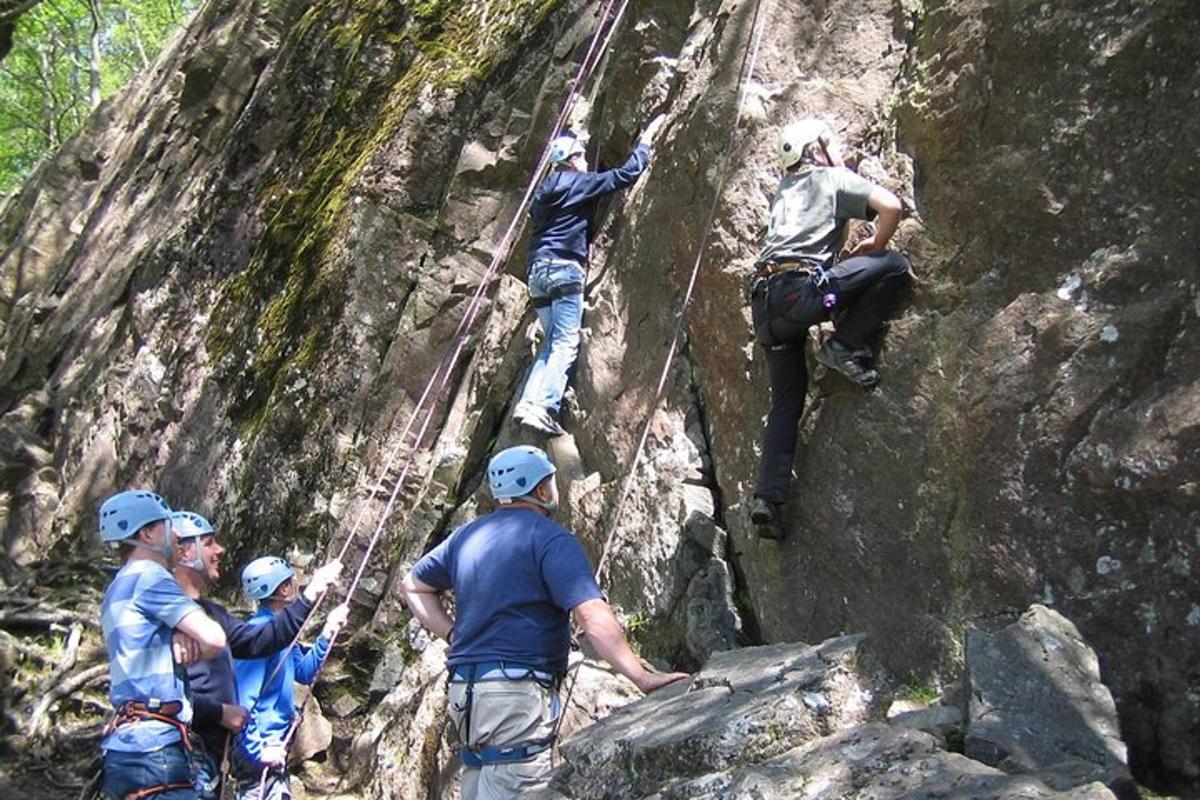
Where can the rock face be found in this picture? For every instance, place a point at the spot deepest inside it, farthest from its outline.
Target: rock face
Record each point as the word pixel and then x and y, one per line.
pixel 236 282
pixel 783 721
pixel 1036 703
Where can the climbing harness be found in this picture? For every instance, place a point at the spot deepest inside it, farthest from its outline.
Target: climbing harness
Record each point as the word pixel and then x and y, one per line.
pixel 561 291
pixel 469 675
pixel 821 277
pixel 133 712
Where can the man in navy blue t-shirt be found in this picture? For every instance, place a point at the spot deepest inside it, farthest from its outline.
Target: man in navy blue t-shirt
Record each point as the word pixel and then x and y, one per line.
pixel 516 576
pixel 561 214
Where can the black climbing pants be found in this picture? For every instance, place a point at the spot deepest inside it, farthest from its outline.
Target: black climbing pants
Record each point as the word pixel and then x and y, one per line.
pixel 783 307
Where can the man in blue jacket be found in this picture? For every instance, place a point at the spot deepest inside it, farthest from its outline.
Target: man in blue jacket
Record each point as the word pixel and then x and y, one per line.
pixel 146 744
pixel 262 743
pixel 213 687
pixel 517 577
pixel 562 214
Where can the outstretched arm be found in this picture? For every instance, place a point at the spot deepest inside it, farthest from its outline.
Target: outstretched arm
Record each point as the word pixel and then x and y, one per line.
pixel 597 620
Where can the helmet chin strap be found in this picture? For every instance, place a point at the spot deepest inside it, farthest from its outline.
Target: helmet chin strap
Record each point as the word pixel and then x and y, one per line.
pixel 195 563
pixel 167 550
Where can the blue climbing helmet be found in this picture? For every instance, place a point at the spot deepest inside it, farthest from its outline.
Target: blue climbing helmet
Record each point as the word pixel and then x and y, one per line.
pixel 563 147
pixel 190 525
pixel 262 576
pixel 125 513
pixel 517 471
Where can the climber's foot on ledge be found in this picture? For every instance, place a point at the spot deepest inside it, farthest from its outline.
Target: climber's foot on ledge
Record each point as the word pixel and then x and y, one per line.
pixel 844 360
pixel 768 519
pixel 538 419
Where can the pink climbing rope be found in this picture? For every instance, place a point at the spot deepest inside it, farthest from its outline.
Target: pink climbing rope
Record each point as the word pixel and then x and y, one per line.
pixel 440 379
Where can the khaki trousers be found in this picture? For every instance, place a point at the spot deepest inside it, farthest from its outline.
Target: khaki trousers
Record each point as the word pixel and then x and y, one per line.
pixel 503 712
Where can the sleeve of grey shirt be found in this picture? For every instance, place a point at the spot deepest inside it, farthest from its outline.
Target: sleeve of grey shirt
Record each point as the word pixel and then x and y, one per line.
pixel 853 191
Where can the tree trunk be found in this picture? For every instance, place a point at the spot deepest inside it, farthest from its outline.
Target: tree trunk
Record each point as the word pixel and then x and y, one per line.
pixel 94 94
pixel 136 30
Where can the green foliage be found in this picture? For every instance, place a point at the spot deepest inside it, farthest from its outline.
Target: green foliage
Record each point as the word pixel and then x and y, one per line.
pixel 67 56
pixel 917 693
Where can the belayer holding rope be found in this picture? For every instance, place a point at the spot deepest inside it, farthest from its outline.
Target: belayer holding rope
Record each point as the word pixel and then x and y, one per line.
pixel 517 576
pixel 269 692
pixel 147 745
pixel 562 215
pixel 799 282
pixel 211 681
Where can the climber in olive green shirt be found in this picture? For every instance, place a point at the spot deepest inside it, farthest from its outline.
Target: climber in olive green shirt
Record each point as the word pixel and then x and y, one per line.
pixel 800 283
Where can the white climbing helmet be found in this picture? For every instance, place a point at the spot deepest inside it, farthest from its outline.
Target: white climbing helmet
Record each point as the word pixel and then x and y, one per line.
pixel 563 147
pixel 517 471
pixel 262 576
pixel 798 135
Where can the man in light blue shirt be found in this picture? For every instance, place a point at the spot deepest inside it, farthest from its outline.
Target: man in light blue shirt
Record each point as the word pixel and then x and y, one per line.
pixel 146 745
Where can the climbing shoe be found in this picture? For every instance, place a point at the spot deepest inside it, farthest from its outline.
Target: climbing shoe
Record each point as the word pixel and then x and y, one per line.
pixel 539 419
pixel 842 359
pixel 767 518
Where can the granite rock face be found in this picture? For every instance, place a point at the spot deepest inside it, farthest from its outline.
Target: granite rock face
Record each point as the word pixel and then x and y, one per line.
pixel 235 283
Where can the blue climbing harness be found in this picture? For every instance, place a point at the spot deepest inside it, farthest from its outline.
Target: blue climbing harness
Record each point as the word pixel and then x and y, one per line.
pixel 516 752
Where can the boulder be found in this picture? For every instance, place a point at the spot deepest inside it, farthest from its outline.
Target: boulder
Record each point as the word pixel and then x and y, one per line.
pixel 1036 703
pixel 743 707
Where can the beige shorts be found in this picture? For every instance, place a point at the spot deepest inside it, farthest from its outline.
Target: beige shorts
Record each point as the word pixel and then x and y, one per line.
pixel 504 712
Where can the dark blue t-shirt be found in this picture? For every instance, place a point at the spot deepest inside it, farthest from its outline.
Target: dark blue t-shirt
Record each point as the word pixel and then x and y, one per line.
pixel 565 201
pixel 516 575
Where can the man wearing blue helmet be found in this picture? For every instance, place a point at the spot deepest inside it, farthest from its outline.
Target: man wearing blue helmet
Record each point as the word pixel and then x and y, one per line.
pixel 212 681
pixel 266 685
pixel 517 576
pixel 562 216
pixel 146 744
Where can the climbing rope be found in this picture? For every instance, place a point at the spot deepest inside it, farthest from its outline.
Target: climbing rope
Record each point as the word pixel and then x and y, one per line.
pixel 440 380
pixel 746 73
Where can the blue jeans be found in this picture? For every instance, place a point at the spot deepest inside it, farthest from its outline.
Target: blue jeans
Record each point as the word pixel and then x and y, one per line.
pixel 208 775
pixel 560 319
pixel 127 773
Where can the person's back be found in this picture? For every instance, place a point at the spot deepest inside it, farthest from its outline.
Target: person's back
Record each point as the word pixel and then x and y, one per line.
pixel 564 206
pixel 514 574
pixel 810 211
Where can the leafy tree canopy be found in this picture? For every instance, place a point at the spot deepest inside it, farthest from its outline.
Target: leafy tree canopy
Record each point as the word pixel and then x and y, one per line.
pixel 67 56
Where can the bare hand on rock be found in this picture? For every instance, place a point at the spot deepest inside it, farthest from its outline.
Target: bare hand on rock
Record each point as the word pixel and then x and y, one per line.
pixel 647 137
pixel 654 680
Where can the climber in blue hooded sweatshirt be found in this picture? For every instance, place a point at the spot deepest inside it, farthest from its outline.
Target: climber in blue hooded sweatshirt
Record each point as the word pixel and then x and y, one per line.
pixel 262 743
pixel 562 211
